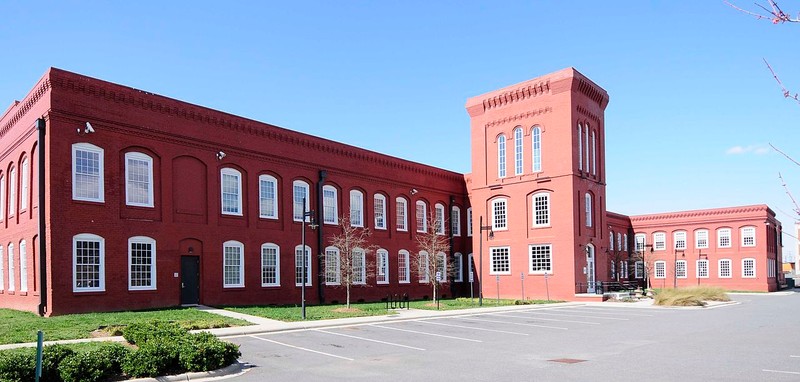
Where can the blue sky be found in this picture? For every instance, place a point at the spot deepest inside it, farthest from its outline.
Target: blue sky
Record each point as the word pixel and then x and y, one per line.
pixel 692 111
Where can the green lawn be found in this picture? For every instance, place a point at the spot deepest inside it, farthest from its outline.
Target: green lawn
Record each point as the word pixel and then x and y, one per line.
pixel 17 326
pixel 467 303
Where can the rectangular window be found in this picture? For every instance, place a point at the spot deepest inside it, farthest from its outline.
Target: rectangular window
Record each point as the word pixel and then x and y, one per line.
pixel 580 147
pixel 139 180
pixel 455 220
pixel 500 258
pixel 725 268
pixel 270 265
pixel 330 213
pixel 439 219
pixel 469 221
pixel 12 192
pixel 298 266
pixel 623 269
pixel 640 242
pixel 299 193
pixel 701 239
pixel 749 237
pixel 11 268
pixel 541 259
pixel 422 219
pixel 2 269
pixel 402 213
pixel 380 211
pixel 724 238
pixel 458 268
pixel 680 240
pixel 638 270
pixel 748 268
pixel 660 269
pixel 23 195
pixel 142 263
pixel 659 241
pixel 702 269
pixel 499 221
pixel 267 197
pixel 424 267
pixel 680 269
pixel 403 270
pixel 356 208
pixel 588 206
pixel 88 265
pixel 541 210
pixel 87 172
pixel 333 270
pixel 2 197
pixel 441 268
pixel 231 192
pixel 383 266
pixel 23 267
pixel 233 265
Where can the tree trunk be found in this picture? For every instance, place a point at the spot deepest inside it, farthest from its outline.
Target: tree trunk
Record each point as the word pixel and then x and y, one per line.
pixel 348 297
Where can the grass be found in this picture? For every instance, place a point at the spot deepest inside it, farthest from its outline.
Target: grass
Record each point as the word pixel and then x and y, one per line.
pixel 326 312
pixel 691 296
pixel 18 327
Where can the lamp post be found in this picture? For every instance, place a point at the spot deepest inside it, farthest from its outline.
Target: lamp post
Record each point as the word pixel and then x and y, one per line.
pixel 306 214
pixel 675 267
pixel 480 256
pixel 701 256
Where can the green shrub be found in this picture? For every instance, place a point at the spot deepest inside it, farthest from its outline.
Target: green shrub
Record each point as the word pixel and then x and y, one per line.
pixel 690 296
pixel 94 365
pixel 204 352
pixel 52 357
pixel 142 332
pixel 20 364
pixel 155 357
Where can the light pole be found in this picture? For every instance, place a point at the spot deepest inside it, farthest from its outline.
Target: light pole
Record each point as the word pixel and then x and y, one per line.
pixel 701 256
pixel 480 256
pixel 306 214
pixel 675 267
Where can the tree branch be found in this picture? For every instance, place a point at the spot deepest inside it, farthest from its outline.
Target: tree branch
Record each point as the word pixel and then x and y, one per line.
pixel 774 13
pixel 786 92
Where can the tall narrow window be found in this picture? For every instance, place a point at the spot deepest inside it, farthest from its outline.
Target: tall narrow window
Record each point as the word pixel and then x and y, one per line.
pixel 536 148
pixel 588 206
pixel 231 183
pixel 300 192
pixel 267 197
pixel 680 269
pixel 232 264
pixel 382 258
pixel 330 208
pixel 88 263
pixel 638 270
pixel 680 240
pixel 333 270
pixel 422 218
pixel 660 269
pixel 403 269
pixel 724 238
pixel 424 267
pixel 12 192
pixel 24 186
pixel 659 241
pixel 87 172
pixel 594 154
pixel 439 219
pixel 580 147
pixel 541 209
pixel 640 241
pixel 458 267
pixel 141 263
pixel 625 241
pixel 2 270
pixel 702 269
pixel 23 266
pixel 441 267
pixel 499 216
pixel 469 221
pixel 619 241
pixel 138 179
pixel 12 270
pixel 748 236
pixel 724 268
pixel 455 221
pixel 359 266
pixel 356 208
pixel 379 211
pixel 2 197
pixel 402 214
pixel 518 153
pixel 501 156
pixel 701 239
pixel 270 265
pixel 586 140
pixel 298 266
pixel 748 267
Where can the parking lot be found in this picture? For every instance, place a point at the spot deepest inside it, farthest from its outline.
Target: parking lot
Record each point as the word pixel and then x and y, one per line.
pixel 755 339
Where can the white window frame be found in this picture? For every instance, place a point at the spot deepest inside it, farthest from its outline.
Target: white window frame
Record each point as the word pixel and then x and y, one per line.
pixel 499 214
pixel 2 269
pixel 638 269
pixel 702 268
pixel 423 268
pixel 586 140
pixel 536 149
pixel 101 278
pixel 379 211
pixel 748 233
pixel 589 207
pixel 152 266
pixel 458 263
pixel 333 266
pixel 135 156
pixel 623 269
pixel 298 266
pixel 401 209
pixel 2 197
pixel 639 242
pixel 12 192
pixel 237 195
pixel 751 273
pixel 422 216
pixel 540 259
pixel 701 239
pixel 89 148
pixel 681 269
pixel 382 261
pixel 594 154
pixel 330 205
pixel 679 240
pixel 721 269
pixel 300 190
pixel 501 156
pixel 265 264
pixel 24 185
pixel 580 147
pixel 356 208
pixel 12 269
pixel 499 263
pixel 659 241
pixel 519 151
pixel 469 222
pixel 724 233
pixel 441 266
pixel 23 266
pixel 543 207
pixel 267 184
pixel 660 269
pixel 455 221
pixel 440 220
pixel 239 269
pixel 625 242
pixel 403 267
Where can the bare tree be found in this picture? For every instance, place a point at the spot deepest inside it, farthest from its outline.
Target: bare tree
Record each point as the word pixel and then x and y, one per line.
pixel 431 259
pixel 347 265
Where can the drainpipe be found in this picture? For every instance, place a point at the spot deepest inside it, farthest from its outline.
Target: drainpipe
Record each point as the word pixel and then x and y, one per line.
pixel 320 266
pixel 452 255
pixel 40 126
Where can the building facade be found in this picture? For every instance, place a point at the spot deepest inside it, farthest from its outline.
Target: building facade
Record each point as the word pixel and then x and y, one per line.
pixel 115 198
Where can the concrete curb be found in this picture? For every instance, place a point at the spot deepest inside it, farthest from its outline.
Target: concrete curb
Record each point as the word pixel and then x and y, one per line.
pixel 233 370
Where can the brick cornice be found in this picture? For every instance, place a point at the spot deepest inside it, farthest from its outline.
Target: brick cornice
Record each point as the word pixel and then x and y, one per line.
pixel 516 117
pixel 718 212
pixel 20 109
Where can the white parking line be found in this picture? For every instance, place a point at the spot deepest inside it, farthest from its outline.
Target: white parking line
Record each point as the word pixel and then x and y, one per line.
pixel 473 328
pixel 302 348
pixel 794 356
pixel 547 319
pixel 425 333
pixel 782 371
pixel 605 311
pixel 573 315
pixel 370 340
pixel 514 323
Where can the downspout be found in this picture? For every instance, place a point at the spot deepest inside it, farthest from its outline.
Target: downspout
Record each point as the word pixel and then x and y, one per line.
pixel 40 126
pixel 452 255
pixel 320 266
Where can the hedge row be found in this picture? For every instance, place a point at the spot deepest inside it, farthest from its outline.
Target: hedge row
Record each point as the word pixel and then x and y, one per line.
pixel 163 348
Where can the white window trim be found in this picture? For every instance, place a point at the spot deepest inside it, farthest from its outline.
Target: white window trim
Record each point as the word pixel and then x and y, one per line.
pixel 261 197
pixel 24 185
pixel 356 208
pixel 440 218
pixel 297 266
pixel 594 154
pixel 101 171
pixel 23 266
pixel 335 217
pixel 360 278
pixel 239 191
pixel 743 236
pixel 663 264
pixel 455 221
pixel 580 147
pixel 491 260
pixel 659 245
pixel 536 150
pixel 519 151
pixel 406 276
pixel 2 269
pixel 277 249
pixel 401 201
pixel 754 268
pixel 638 269
pixel 459 270
pixel 697 270
pixel 233 244
pixel 423 268
pixel 424 226
pixel 379 209
pixel 729 235
pixel 685 269
pixel 334 268
pixel 298 215
pixel 548 271
pixel 589 206
pixel 12 268
pixel 135 155
pixel 495 227
pixel 2 197
pixel 153 274
pixel 676 238
pixel 533 202
pixel 382 262
pixel 102 271
pixel 502 151
pixel 443 269
pixel 719 268
pixel 469 222
pixel 12 192
pixel 697 239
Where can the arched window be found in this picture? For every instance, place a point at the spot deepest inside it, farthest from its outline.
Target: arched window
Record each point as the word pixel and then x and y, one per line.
pixel 455 221
pixel 588 206
pixel 611 240
pixel 424 267
pixel 594 154
pixel 748 236
pixel 24 185
pixel 518 153
pixel 382 260
pixel 231 184
pixel 659 241
pixel 580 147
pixel 356 208
pixel 439 219
pixel 458 267
pixel 300 192
pixel 679 239
pixel 359 266
pixel 401 217
pixel 270 265
pixel 379 211
pixel 536 148
pixel 138 179
pixel 586 141
pixel 333 270
pixel 2 197
pixel 403 267
pixel 469 221
pixel 12 192
pixel 2 270
pixel 501 156
pixel 541 209
pixel 422 218
pixel 267 197
pixel 330 205
pixel 499 214
pixel 141 263
pixel 232 264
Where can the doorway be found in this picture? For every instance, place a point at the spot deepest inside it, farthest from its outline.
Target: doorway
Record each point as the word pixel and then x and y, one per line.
pixel 190 280
pixel 590 288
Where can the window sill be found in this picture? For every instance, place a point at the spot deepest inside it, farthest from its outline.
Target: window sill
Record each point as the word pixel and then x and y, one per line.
pixel 270 286
pixel 88 292
pixel 233 287
pixel 138 291
pixel 21 293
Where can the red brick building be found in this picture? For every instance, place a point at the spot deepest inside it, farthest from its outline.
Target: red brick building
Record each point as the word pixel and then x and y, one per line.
pixel 115 198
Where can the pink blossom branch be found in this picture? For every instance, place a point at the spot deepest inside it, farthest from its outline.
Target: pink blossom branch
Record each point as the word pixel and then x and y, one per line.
pixel 775 14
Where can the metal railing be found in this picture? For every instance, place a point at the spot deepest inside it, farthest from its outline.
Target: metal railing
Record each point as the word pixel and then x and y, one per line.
pixel 397 301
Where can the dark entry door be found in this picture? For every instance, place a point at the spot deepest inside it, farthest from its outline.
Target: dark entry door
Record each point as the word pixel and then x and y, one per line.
pixel 190 280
